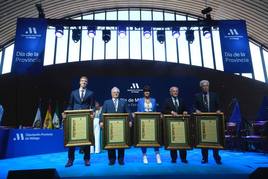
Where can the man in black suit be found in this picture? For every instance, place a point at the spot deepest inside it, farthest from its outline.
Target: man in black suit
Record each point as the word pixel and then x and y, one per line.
pixel 174 105
pixel 115 105
pixel 81 98
pixel 207 102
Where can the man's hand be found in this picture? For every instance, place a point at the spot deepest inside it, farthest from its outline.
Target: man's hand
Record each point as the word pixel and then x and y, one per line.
pixel 130 124
pixel 173 113
pixel 197 111
pixel 218 111
pixel 101 124
pixel 63 114
pixel 185 113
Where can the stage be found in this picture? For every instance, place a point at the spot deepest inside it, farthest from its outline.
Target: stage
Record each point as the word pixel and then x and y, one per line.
pixel 235 165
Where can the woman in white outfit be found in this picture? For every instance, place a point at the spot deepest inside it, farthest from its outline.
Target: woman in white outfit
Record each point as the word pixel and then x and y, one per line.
pixel 97 111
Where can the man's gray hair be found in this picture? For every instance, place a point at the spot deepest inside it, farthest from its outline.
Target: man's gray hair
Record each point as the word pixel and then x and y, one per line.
pixel 203 82
pixel 172 87
pixel 115 89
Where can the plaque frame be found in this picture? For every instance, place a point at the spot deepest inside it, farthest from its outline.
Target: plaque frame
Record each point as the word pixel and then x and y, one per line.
pixel 219 117
pixel 105 136
pixel 137 127
pixel 167 119
pixel 89 140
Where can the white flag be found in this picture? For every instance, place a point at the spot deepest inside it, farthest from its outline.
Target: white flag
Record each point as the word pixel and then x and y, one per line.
pixel 56 121
pixel 38 119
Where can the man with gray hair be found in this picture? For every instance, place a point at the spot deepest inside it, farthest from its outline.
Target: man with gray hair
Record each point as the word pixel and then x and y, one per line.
pixel 174 105
pixel 207 101
pixel 115 105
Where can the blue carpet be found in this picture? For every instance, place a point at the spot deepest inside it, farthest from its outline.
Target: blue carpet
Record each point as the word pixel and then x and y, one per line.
pixel 235 165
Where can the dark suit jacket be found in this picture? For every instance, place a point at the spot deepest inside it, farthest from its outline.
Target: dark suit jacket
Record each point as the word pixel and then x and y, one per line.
pixel 108 107
pixel 169 106
pixel 214 103
pixel 76 103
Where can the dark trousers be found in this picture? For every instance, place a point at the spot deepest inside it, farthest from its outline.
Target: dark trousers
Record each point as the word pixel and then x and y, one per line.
pixel 86 150
pixel 112 154
pixel 215 154
pixel 144 149
pixel 174 155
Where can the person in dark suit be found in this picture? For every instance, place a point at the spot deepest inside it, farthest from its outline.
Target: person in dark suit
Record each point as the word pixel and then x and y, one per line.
pixel 174 105
pixel 115 105
pixel 207 102
pixel 148 104
pixel 81 98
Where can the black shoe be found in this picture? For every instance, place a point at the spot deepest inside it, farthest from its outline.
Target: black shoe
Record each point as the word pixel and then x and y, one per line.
pixel 203 161
pixel 218 162
pixel 69 163
pixel 173 161
pixel 111 162
pixel 87 163
pixel 121 162
pixel 184 161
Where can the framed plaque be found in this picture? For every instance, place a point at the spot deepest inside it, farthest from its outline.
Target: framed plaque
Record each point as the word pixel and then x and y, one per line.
pixel 116 131
pixel 176 132
pixel 147 131
pixel 78 128
pixel 209 130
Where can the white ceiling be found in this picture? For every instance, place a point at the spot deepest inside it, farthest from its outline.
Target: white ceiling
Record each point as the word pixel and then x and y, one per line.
pixel 255 12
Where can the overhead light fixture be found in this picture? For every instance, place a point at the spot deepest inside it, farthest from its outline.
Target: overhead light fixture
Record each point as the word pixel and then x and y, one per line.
pixel 122 31
pixel 207 32
pixel 206 13
pixel 161 36
pixel 40 10
pixel 106 35
pixel 189 35
pixel 147 32
pixel 59 31
pixel 76 34
pixel 176 32
pixel 91 31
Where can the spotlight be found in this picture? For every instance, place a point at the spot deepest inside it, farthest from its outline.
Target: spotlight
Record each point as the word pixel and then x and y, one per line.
pixel 91 31
pixel 76 36
pixel 161 36
pixel 206 32
pixel 147 32
pixel 59 31
pixel 122 31
pixel 206 10
pixel 40 10
pixel 176 32
pixel 189 36
pixel 106 35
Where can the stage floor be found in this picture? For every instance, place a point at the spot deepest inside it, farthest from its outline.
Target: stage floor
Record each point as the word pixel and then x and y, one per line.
pixel 235 165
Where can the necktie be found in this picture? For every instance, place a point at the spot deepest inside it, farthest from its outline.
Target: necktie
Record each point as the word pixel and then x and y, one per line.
pixel 115 104
pixel 82 95
pixel 205 102
pixel 176 103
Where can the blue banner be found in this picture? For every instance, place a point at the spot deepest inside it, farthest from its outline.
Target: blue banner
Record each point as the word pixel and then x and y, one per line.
pixel 29 47
pixel 235 46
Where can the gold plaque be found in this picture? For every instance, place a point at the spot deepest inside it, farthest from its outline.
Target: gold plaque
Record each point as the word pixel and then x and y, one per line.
pixel 116 131
pixel 208 130
pixel 147 130
pixel 177 132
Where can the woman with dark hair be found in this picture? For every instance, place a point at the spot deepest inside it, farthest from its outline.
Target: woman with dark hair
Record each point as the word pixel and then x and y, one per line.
pixel 148 104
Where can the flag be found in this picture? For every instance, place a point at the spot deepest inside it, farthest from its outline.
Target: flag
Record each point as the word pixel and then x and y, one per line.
pixel 236 115
pixel 56 118
pixel 48 119
pixel 38 119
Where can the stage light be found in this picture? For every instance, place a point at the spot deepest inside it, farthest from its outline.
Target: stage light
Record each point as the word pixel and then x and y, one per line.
pixel 122 31
pixel 40 10
pixel 59 31
pixel 189 36
pixel 76 36
pixel 91 31
pixel 147 32
pixel 106 35
pixel 176 32
pixel 207 32
pixel 161 36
